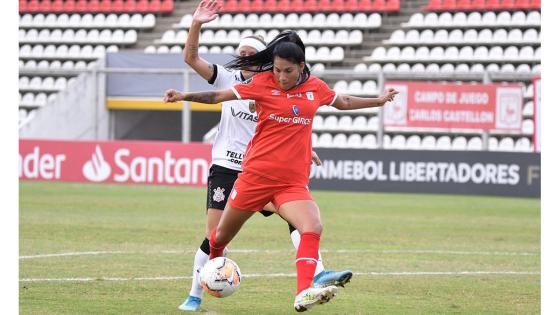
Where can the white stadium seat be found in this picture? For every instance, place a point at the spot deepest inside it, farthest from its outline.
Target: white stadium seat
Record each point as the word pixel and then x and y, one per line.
pixel 506 144
pixel 369 141
pixel 375 68
pixel 341 86
pixel 354 141
pixel 518 18
pixel 314 139
pixel 443 143
pixel 533 18
pixel 163 50
pixel 459 19
pixel 428 143
pixel 503 18
pixel 373 123
pixel 485 36
pixel 523 69
pixel 417 67
pixel 500 36
pixel 432 68
pixel 427 36
pixel 413 142
pixel 397 36
pixel 496 53
pixel 345 123
pixel 515 36
pixel 318 123
pixel 389 68
pixel 374 20
pixel 339 141
pixel 445 19
pixel 330 123
pixel 361 67
pixel 523 144
pixel 459 144
pixel 474 144
pixel 355 87
pixel 325 140
pixel 527 126
pixel 398 142
pixel 359 123
pixel 431 19
pixel 470 36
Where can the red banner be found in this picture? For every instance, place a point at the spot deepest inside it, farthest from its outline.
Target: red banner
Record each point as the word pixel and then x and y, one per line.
pixel 139 162
pixel 455 106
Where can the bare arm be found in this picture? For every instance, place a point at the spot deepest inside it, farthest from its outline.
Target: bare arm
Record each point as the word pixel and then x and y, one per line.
pixel 347 102
pixel 207 97
pixel 205 12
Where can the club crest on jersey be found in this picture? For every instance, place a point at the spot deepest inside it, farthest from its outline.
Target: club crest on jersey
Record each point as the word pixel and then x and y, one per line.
pixel 219 194
pixel 309 96
pixel 295 110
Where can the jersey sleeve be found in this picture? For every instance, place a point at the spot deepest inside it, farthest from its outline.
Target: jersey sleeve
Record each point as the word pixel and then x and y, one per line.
pixel 327 96
pixel 250 89
pixel 221 79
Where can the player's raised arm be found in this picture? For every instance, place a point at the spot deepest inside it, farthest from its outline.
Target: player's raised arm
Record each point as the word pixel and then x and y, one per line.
pixel 207 97
pixel 347 102
pixel 205 12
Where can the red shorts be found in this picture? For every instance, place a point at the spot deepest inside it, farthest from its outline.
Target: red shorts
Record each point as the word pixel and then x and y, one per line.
pixel 252 192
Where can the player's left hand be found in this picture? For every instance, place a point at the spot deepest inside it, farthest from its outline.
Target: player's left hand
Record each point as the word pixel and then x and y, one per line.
pixel 172 96
pixel 316 158
pixel 389 95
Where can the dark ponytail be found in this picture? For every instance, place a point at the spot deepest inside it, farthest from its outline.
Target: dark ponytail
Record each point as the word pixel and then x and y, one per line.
pixel 287 45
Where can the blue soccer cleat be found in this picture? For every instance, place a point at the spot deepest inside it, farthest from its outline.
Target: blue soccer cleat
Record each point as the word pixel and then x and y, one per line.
pixel 192 303
pixel 327 278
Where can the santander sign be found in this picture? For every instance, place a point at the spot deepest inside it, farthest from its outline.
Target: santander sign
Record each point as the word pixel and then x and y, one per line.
pixel 167 163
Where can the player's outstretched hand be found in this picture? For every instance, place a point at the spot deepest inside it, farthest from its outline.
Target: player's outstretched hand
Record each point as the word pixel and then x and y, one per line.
pixel 389 95
pixel 172 96
pixel 206 11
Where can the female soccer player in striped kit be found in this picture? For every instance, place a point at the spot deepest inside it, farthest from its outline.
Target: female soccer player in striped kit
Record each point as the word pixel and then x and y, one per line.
pixel 236 127
pixel 276 163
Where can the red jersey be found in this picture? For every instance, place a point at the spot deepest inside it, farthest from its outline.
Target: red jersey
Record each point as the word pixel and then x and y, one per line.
pixel 281 147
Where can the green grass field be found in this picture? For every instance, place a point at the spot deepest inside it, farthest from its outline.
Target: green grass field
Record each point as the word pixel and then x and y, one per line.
pixel 407 252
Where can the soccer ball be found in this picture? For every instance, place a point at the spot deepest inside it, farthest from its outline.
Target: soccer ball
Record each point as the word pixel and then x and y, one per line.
pixel 220 277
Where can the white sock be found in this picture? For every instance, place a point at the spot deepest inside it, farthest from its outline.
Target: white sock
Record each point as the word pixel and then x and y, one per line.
pixel 200 259
pixel 296 238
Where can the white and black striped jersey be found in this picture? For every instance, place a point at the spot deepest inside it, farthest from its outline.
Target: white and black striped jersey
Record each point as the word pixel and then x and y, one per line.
pixel 237 123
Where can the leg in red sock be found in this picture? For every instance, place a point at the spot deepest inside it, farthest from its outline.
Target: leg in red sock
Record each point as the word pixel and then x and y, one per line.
pixel 216 250
pixel 306 259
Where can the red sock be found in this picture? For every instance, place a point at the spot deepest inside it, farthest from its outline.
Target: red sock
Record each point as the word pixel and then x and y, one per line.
pixel 216 250
pixel 306 259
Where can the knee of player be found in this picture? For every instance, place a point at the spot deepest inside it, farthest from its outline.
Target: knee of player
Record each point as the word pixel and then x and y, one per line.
pixel 315 227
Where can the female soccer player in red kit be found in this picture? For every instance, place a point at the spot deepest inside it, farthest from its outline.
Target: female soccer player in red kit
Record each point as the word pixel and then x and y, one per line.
pixel 276 164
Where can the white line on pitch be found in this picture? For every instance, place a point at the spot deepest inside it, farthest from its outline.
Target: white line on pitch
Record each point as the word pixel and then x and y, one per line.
pixel 244 251
pixel 72 254
pixel 282 275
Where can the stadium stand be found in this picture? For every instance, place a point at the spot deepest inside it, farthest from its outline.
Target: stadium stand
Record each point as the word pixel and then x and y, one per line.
pixel 450 41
